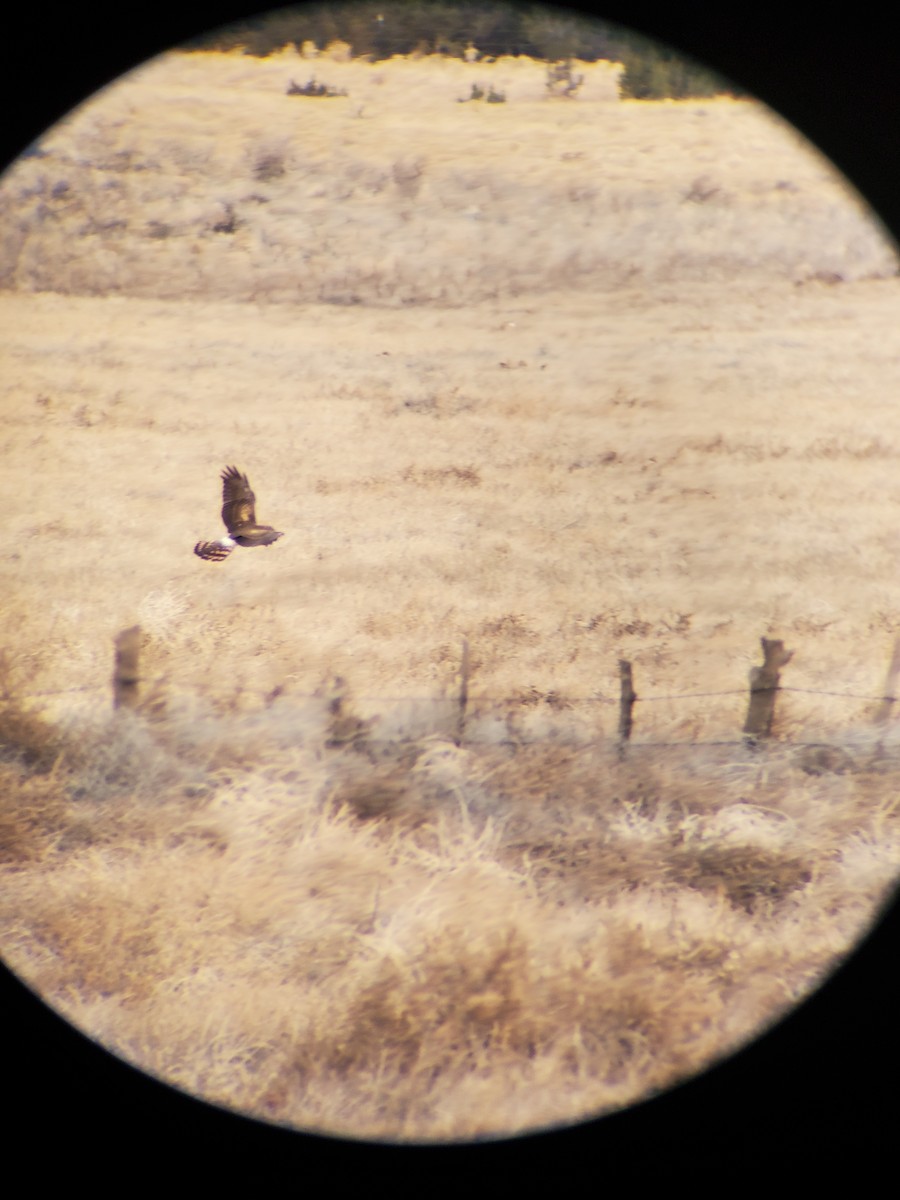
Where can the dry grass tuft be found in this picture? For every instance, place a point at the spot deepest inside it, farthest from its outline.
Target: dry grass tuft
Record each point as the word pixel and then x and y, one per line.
pixel 24 734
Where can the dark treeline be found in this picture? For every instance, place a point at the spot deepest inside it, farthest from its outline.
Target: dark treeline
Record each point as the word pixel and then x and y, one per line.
pixel 380 30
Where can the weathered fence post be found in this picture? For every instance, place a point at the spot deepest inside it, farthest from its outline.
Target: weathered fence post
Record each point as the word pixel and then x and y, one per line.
pixel 763 686
pixel 463 693
pixel 889 698
pixel 126 673
pixel 344 727
pixel 627 697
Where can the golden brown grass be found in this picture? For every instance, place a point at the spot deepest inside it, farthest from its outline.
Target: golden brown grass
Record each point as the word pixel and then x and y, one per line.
pixel 574 380
pixel 425 941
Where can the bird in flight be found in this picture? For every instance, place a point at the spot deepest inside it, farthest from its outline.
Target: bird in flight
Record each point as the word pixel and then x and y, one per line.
pixel 239 515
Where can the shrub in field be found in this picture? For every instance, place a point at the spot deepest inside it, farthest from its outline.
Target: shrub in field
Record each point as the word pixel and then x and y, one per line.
pixel 311 88
pixel 492 96
pixel 562 80
pixel 268 166
pixel 655 73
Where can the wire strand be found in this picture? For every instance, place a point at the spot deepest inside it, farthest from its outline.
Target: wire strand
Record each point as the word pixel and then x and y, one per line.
pixel 550 698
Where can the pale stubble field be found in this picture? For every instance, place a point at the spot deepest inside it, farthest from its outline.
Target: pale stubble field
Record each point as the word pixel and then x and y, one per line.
pixel 573 380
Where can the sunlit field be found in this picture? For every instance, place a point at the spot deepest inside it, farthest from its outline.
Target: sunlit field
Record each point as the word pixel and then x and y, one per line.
pixel 567 381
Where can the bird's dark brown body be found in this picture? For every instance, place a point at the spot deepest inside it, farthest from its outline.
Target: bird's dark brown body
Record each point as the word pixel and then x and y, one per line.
pixel 239 516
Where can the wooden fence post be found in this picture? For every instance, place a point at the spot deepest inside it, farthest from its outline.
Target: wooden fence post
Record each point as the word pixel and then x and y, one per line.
pixel 627 697
pixel 763 686
pixel 126 673
pixel 463 692
pixel 888 700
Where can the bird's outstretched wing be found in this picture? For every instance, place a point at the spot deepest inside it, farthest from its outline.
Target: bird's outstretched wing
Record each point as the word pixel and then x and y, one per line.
pixel 239 503
pixel 215 551
pixel 239 515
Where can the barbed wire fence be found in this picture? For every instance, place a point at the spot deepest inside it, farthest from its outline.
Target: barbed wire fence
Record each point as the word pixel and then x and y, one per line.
pixel 458 716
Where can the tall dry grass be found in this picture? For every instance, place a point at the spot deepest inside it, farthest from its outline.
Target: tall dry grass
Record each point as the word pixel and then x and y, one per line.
pixel 574 380
pixel 423 941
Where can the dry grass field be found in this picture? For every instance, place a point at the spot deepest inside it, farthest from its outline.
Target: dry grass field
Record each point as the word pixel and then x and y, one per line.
pixel 575 380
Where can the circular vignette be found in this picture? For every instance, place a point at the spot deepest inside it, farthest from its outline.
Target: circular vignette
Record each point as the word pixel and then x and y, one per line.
pixel 804 1090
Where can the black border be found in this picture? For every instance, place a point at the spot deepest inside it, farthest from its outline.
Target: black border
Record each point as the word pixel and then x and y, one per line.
pixel 819 1091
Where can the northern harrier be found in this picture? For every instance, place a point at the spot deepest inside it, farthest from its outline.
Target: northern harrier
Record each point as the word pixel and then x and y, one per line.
pixel 239 515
